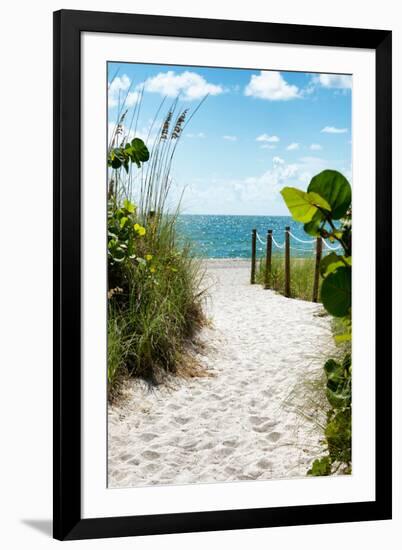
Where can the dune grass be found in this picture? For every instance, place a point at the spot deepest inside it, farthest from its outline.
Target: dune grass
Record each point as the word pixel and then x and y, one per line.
pixel 155 291
pixel 301 276
pixel 158 310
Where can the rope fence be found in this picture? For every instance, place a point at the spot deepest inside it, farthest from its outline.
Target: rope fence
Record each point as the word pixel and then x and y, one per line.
pixel 316 246
pixel 302 241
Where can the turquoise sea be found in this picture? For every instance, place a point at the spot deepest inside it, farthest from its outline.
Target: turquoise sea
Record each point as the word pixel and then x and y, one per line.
pixel 230 236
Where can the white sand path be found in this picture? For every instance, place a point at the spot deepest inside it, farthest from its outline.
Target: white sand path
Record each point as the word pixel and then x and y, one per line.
pixel 233 425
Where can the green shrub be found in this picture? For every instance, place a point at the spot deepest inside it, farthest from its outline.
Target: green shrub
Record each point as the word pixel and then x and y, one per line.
pixel 338 430
pixel 161 305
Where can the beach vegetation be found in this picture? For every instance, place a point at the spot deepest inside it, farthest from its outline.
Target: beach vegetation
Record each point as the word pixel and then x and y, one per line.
pixel 327 199
pixel 154 281
pixel 301 281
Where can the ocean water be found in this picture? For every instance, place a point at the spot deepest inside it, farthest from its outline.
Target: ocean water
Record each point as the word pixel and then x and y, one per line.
pixel 230 236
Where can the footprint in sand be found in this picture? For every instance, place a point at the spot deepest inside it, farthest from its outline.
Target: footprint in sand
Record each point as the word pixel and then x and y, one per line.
pixel 247 477
pixel 150 455
pixel 124 457
pixel 206 415
pixel 230 442
pixel 231 471
pixel 206 446
pixel 257 420
pixel 264 464
pixel 265 427
pixel 173 442
pixel 274 436
pixel 147 436
pixel 216 396
pixel 224 451
pixel 151 468
pixel 190 445
pixel 182 420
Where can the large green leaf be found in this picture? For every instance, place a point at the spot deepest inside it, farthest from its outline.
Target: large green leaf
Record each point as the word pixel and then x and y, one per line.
pixel 330 262
pixel 138 151
pixel 115 163
pixel 123 221
pixel 336 292
pixel 335 189
pixel 141 149
pixel 303 205
pixel 312 227
pixel 129 206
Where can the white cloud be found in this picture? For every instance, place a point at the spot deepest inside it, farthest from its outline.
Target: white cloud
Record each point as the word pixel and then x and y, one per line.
pixel 258 193
pixel 131 99
pixel 333 130
pixel 118 92
pixel 309 167
pixel 188 85
pixel 272 86
pixel 343 81
pixel 311 160
pixel 267 146
pixel 293 147
pixel 119 83
pixel 230 138
pixel 267 138
pixel 200 135
pixel 315 147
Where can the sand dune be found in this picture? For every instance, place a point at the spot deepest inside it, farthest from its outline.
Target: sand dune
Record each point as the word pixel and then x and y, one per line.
pixel 233 425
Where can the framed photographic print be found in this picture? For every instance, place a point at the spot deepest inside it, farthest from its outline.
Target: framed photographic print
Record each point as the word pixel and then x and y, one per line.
pixel 204 176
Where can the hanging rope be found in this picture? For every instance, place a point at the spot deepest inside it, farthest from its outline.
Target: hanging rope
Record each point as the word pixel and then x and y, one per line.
pixel 276 244
pixel 331 247
pixel 301 240
pixel 313 241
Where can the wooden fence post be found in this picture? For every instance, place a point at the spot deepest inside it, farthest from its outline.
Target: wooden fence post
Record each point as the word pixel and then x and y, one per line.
pixel 287 262
pixel 268 260
pixel 253 254
pixel 318 254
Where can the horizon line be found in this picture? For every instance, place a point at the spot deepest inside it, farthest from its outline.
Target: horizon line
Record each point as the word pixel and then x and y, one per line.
pixel 241 215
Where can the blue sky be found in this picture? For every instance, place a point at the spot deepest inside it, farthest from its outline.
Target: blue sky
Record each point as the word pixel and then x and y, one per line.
pixel 256 132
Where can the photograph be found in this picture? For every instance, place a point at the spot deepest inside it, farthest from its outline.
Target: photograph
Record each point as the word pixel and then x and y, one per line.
pixel 229 274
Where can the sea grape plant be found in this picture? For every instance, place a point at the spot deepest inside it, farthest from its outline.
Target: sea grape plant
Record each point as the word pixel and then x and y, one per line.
pixel 133 152
pixel 124 231
pixel 326 201
pixel 325 211
pixel 338 431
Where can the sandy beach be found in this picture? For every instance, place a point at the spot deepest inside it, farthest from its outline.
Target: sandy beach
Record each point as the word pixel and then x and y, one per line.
pixel 234 424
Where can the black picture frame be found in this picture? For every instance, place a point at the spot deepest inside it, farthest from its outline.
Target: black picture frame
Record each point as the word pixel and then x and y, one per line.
pixel 68 522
